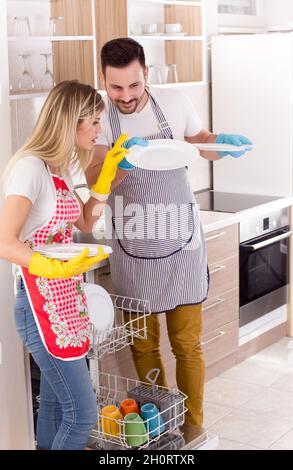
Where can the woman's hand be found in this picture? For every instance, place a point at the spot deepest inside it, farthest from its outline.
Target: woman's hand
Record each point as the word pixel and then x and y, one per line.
pixel 54 269
pixel 102 188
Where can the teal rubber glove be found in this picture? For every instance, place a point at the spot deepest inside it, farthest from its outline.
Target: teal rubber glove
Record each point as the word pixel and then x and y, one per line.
pixel 124 164
pixel 233 139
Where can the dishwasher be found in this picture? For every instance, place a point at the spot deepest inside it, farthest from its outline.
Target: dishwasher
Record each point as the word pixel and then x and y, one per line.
pixel 130 323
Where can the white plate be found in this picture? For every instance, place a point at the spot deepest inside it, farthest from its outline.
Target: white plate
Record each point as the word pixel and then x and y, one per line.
pixel 223 147
pixel 101 311
pixel 67 251
pixel 163 154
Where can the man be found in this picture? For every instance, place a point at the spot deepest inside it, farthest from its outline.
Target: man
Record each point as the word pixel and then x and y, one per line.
pixel 171 271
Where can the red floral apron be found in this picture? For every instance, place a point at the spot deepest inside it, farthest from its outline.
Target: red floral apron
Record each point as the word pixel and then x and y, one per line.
pixel 59 305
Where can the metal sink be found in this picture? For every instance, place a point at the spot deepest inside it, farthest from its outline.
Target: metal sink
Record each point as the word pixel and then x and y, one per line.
pixel 82 237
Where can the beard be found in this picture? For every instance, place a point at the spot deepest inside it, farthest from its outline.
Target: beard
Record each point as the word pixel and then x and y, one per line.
pixel 128 107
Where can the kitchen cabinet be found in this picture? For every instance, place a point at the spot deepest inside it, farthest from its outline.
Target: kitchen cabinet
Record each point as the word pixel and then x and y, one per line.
pixel 65 30
pixel 221 309
pixel 241 15
pixel 73 32
pixel 81 27
pixel 261 110
pixel 186 49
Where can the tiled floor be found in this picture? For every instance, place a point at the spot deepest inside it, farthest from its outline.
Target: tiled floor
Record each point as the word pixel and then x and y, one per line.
pixel 251 405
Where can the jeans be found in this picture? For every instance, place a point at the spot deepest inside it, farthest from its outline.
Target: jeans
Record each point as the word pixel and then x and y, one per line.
pixel 68 410
pixel 184 325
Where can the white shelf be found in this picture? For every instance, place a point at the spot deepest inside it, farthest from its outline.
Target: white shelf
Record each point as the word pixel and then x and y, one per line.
pixel 51 38
pixel 166 37
pixel 173 2
pixel 28 95
pixel 179 84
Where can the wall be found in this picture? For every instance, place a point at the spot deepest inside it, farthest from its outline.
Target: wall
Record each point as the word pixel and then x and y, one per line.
pixel 279 12
pixel 13 398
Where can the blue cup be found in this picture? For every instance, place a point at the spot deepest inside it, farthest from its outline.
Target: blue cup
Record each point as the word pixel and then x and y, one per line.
pixel 152 419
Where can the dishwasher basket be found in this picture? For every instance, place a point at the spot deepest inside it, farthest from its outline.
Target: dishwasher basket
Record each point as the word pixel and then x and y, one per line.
pixel 112 390
pixel 129 323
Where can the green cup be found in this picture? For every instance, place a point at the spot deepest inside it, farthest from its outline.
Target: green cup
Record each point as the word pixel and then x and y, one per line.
pixel 135 431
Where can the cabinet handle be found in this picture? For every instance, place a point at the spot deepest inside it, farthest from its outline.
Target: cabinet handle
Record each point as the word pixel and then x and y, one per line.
pixel 218 335
pixel 215 304
pixel 217 235
pixel 217 269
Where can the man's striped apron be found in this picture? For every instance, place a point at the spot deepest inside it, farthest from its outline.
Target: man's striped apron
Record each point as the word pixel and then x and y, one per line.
pixel 159 252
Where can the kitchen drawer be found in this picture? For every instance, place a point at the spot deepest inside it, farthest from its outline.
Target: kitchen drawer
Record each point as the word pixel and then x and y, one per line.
pixel 222 243
pixel 220 343
pixel 224 276
pixel 220 310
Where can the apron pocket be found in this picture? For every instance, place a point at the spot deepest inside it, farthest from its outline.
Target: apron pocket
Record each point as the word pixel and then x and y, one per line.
pixel 159 233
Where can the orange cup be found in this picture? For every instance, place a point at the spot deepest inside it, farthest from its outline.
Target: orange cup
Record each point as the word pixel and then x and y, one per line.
pixel 129 406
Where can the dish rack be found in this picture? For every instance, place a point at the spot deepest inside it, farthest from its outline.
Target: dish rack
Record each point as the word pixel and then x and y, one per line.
pixel 112 390
pixel 129 323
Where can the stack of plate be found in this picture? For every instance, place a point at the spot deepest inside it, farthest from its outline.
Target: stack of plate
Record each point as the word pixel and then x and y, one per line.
pixel 101 311
pixel 65 252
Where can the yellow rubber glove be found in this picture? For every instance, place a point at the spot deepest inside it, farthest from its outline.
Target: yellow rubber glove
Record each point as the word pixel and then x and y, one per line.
pixel 102 188
pixel 54 269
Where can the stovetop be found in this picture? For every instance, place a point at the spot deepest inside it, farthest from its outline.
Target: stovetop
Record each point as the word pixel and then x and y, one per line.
pixel 217 201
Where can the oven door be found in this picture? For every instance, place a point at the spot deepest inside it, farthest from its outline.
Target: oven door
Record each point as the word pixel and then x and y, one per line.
pixel 264 269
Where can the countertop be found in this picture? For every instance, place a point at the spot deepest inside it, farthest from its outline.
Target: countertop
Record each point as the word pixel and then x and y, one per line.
pixel 217 220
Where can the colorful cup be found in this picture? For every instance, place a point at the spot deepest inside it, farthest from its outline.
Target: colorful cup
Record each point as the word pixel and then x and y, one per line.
pixel 135 431
pixel 129 406
pixel 153 419
pixel 110 416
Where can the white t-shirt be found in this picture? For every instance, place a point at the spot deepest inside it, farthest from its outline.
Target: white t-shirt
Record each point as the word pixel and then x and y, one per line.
pixel 176 107
pixel 30 178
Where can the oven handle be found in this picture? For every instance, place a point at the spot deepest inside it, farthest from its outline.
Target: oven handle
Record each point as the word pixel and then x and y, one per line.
pixel 269 242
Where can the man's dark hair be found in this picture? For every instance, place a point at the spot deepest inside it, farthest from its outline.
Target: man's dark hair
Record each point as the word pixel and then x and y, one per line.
pixel 121 52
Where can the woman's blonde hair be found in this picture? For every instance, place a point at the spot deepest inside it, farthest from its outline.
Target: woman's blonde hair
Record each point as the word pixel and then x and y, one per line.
pixel 53 138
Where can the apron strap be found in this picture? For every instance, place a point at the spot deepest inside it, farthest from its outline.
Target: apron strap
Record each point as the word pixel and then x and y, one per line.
pixel 162 122
pixel 165 130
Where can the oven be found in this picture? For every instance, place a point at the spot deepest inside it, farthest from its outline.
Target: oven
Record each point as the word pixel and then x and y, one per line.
pixel 264 264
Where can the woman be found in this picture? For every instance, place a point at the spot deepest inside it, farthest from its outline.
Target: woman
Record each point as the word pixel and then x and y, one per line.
pixel 41 208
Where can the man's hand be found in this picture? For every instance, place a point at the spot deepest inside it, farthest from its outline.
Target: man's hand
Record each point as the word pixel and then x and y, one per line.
pixel 124 164
pixel 233 139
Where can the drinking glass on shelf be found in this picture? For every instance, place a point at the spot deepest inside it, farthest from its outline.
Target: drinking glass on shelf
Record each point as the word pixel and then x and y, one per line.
pixel 47 80
pixel 57 25
pixel 21 26
pixel 25 81
pixel 173 75
pixel 165 72
pixel 154 76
